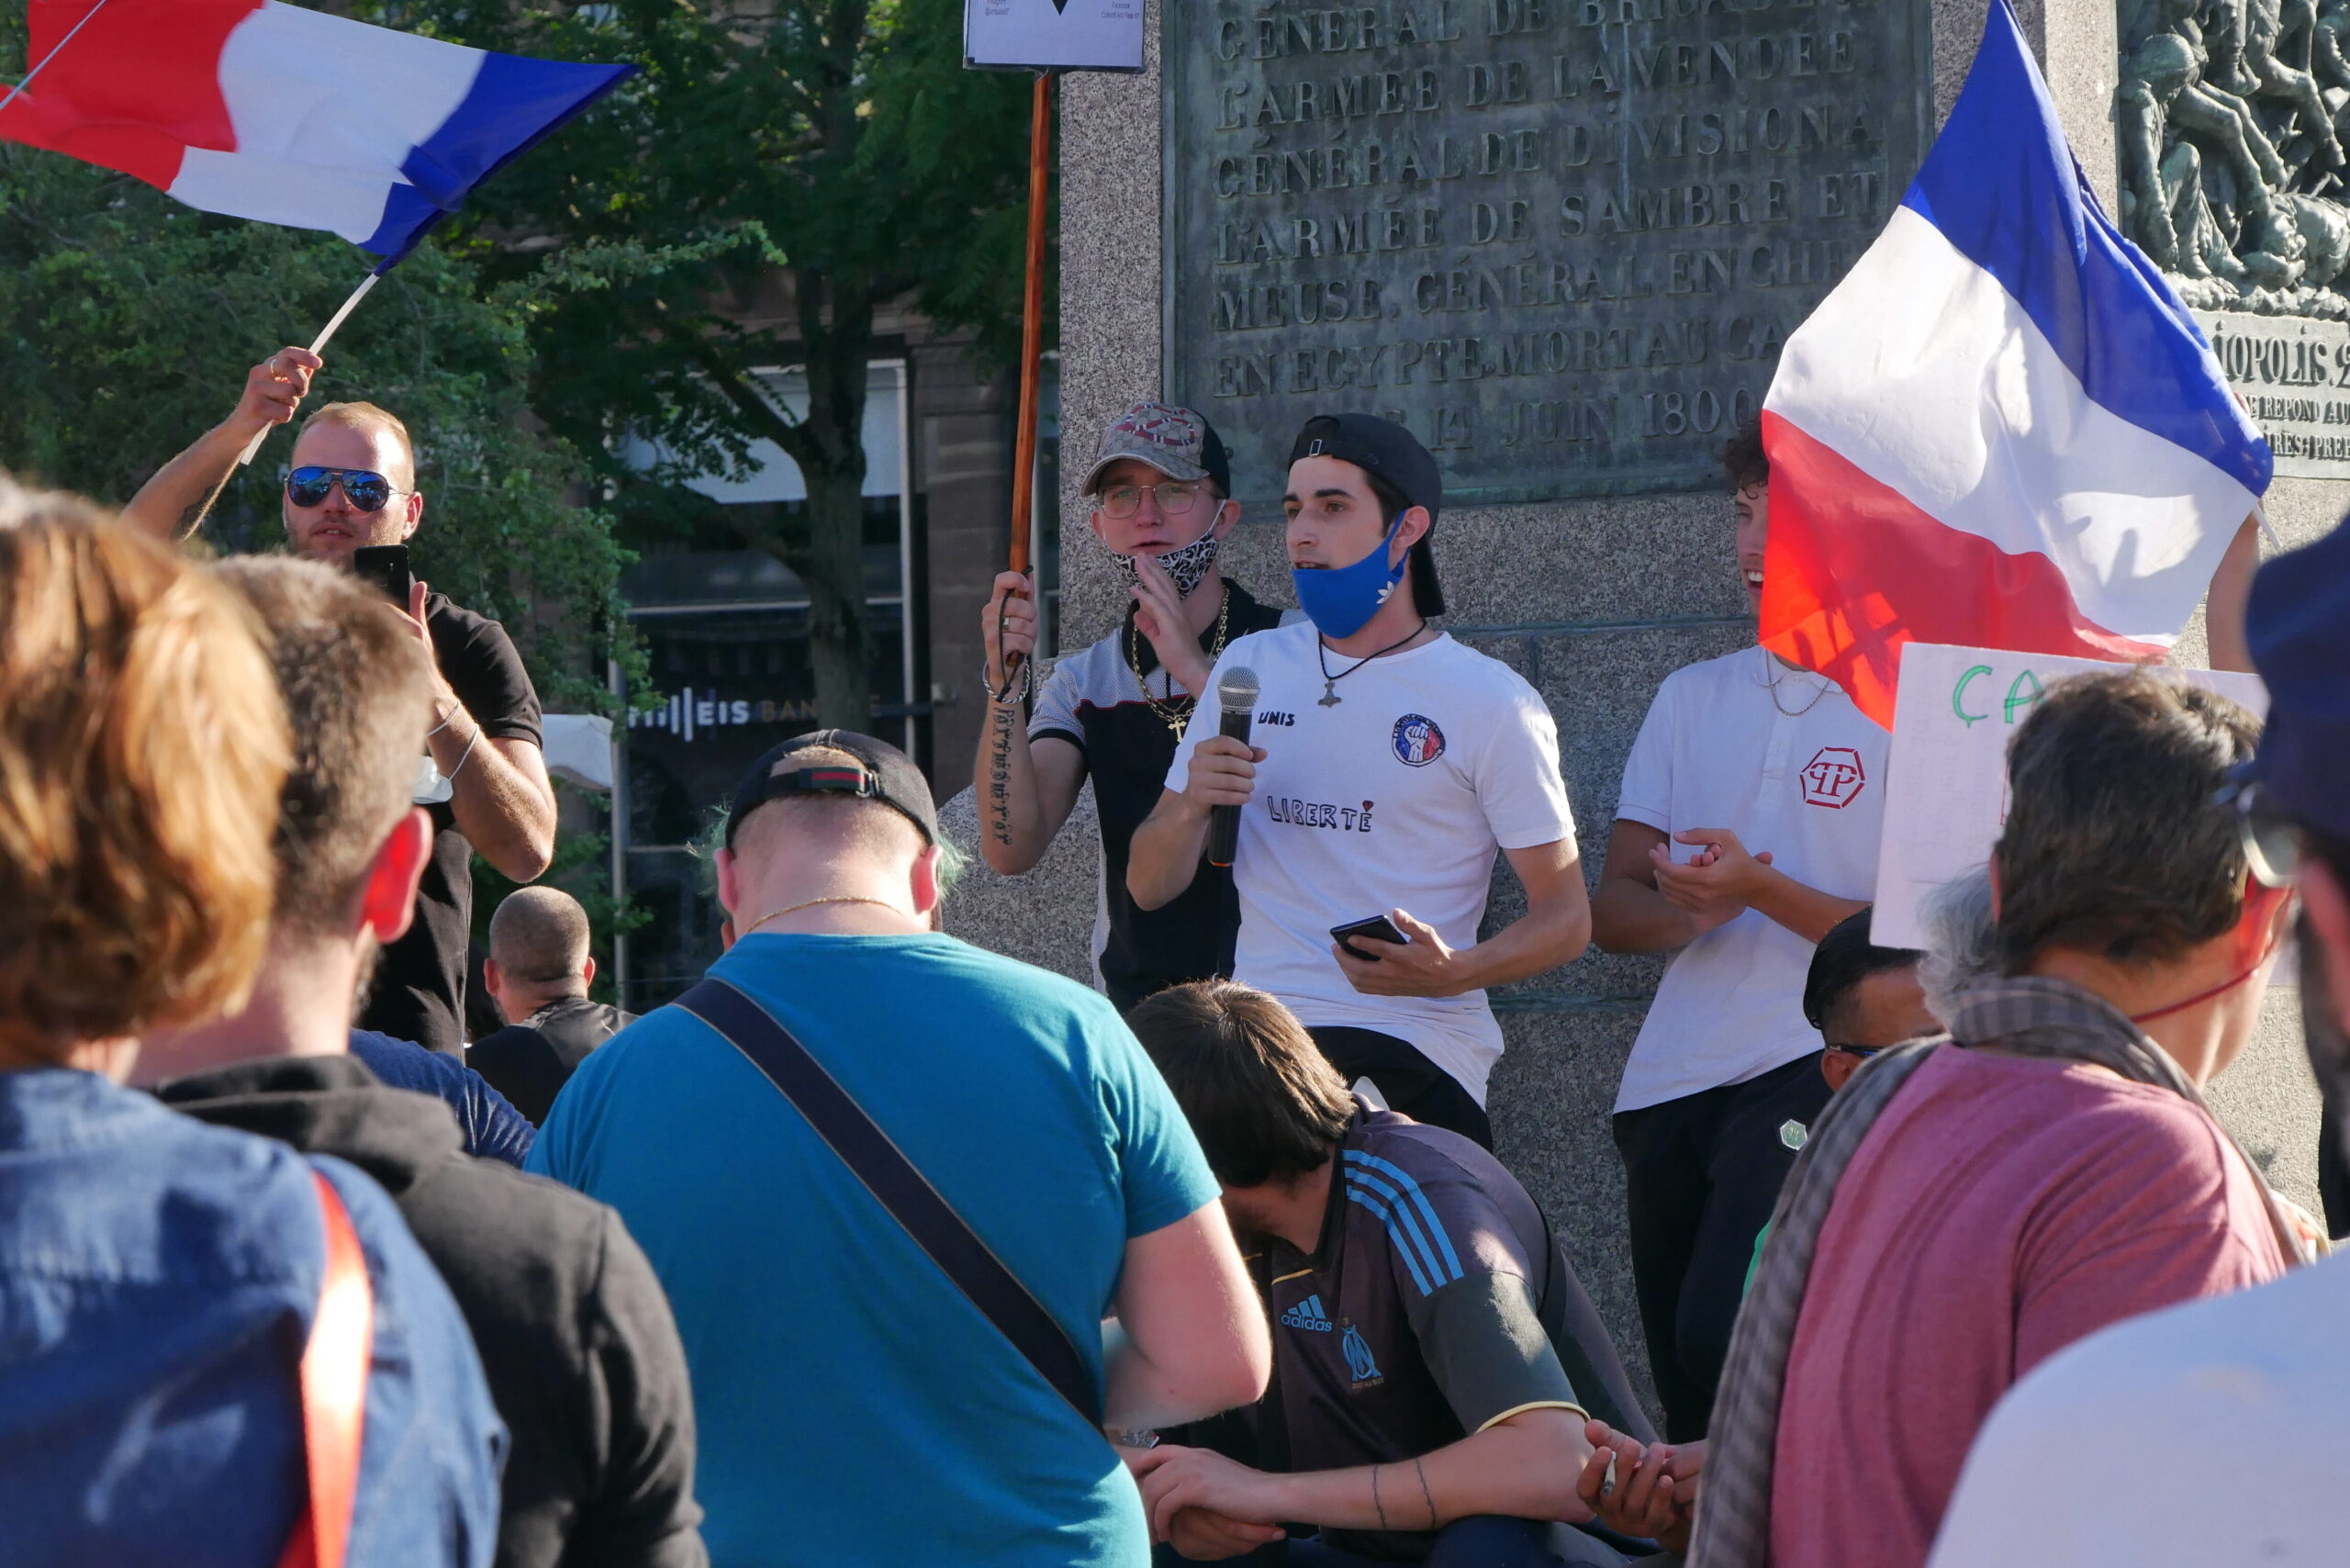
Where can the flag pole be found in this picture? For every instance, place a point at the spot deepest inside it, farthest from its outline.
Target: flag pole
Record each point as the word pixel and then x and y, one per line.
pixel 52 54
pixel 1032 331
pixel 326 335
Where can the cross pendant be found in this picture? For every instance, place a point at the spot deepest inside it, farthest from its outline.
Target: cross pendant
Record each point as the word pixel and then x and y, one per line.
pixel 1330 697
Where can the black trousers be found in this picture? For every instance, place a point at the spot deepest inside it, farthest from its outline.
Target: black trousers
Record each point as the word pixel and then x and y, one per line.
pixel 1701 1174
pixel 1410 1083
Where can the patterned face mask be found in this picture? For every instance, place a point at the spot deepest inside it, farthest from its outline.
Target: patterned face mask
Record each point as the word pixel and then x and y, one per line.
pixel 1187 563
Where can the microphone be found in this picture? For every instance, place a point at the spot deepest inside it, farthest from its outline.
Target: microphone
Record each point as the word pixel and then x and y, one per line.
pixel 1236 693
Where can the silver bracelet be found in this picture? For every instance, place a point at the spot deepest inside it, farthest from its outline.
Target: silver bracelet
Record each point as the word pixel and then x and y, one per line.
pixel 467 754
pixel 1028 682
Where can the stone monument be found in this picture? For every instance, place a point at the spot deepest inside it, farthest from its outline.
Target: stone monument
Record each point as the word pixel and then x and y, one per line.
pixel 1562 239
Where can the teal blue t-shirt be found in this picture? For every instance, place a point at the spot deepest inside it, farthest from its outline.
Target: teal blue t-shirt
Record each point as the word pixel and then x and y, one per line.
pixel 853 1406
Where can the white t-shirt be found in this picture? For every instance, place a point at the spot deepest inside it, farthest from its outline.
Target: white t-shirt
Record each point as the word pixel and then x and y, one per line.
pixel 1798 771
pixel 1396 798
pixel 2204 1436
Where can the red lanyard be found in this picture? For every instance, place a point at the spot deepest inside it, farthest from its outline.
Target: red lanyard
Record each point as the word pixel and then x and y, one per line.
pixel 334 1392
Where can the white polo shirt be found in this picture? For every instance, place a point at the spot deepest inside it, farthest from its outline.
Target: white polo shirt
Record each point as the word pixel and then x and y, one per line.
pixel 1396 798
pixel 1795 769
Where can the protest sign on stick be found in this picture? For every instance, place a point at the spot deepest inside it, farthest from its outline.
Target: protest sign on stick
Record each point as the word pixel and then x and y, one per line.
pixel 1053 34
pixel 1046 37
pixel 1946 773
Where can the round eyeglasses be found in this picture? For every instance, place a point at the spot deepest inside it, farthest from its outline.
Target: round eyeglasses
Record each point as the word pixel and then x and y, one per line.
pixel 1175 496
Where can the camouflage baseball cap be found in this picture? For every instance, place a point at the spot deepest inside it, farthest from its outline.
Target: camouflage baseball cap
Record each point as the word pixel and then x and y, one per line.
pixel 1177 442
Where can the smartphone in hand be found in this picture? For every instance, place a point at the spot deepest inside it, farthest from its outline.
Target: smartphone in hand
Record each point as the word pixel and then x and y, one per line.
pixel 386 567
pixel 1378 928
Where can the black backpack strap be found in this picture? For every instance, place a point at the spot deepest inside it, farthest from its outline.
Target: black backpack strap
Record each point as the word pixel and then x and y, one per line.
pixel 900 1188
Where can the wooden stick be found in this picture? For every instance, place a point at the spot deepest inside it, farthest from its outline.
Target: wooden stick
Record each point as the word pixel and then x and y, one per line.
pixel 1032 335
pixel 325 337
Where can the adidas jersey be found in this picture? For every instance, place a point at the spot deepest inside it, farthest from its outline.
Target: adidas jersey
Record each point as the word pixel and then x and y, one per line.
pixel 1093 700
pixel 1407 1327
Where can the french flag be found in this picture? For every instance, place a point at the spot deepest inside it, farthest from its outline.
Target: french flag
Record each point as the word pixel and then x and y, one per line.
pixel 268 111
pixel 2002 429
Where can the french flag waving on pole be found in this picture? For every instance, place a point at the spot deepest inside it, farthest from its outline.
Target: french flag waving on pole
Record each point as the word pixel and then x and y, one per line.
pixel 268 111
pixel 2002 429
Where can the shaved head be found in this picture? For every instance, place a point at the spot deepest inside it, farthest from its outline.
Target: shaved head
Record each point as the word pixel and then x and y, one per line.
pixel 539 936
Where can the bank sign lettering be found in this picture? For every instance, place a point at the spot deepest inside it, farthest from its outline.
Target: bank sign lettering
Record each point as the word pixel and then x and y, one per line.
pixel 1563 240
pixel 1946 770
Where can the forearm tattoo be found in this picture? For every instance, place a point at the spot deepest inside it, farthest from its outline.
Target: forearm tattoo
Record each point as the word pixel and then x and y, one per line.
pixel 1003 715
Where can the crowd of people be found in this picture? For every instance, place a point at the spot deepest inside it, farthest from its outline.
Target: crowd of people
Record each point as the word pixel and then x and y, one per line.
pixel 878 1247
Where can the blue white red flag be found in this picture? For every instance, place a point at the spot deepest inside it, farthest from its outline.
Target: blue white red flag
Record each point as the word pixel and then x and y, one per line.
pixel 2002 430
pixel 268 111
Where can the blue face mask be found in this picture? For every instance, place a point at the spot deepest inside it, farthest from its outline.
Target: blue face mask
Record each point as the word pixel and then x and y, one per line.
pixel 1341 600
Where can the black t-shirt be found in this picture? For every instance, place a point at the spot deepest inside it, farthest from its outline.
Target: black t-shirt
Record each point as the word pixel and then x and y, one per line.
pixel 420 990
pixel 530 1061
pixel 1093 701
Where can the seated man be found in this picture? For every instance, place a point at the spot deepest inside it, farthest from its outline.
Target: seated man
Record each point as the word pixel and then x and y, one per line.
pixel 539 972
pixel 1434 1358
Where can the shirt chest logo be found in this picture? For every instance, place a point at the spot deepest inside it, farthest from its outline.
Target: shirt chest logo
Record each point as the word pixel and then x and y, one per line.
pixel 1833 777
pixel 1276 717
pixel 1308 1314
pixel 1359 1366
pixel 1416 740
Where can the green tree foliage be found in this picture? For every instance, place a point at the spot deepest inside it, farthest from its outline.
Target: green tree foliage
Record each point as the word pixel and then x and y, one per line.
pixel 128 323
pixel 779 174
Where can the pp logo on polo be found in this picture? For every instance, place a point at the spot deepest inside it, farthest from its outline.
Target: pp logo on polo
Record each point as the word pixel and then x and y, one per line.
pixel 1418 740
pixel 1833 777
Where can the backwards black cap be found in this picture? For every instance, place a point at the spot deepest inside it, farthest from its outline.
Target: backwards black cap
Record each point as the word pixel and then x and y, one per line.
pixel 882 773
pixel 1386 449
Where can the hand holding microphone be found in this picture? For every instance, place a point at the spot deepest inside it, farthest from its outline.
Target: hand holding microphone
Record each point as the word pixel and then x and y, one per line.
pixel 1237 695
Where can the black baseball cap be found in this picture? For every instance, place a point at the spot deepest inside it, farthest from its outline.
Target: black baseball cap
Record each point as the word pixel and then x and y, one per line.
pixel 1386 449
pixel 2297 623
pixel 883 773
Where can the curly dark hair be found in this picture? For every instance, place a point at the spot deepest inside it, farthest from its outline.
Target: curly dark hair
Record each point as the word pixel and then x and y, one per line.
pixel 1744 463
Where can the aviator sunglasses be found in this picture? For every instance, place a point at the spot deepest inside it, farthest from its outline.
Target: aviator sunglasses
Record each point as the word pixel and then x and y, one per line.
pixel 369 491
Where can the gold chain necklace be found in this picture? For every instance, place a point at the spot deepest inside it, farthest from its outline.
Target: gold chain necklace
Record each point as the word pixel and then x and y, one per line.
pixel 811 903
pixel 1175 712
pixel 1770 680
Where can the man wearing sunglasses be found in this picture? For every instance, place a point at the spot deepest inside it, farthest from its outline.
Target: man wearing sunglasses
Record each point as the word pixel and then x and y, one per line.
pixel 351 483
pixel 2107 1455
pixel 1159 485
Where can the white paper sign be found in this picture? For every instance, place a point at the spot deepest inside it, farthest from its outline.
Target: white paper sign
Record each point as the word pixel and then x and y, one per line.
pixel 1065 35
pixel 1946 780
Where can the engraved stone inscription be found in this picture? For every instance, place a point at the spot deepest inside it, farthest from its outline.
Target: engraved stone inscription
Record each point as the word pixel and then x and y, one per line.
pixel 1563 240
pixel 2294 376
